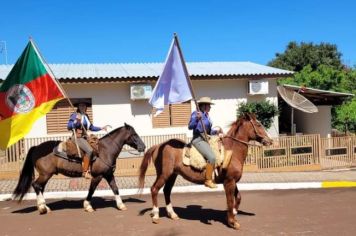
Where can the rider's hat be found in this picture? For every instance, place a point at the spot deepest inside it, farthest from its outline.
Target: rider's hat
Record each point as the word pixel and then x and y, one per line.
pixel 77 101
pixel 205 100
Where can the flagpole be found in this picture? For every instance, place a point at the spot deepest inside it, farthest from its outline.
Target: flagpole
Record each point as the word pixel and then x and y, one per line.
pixel 52 74
pixel 189 83
pixel 62 90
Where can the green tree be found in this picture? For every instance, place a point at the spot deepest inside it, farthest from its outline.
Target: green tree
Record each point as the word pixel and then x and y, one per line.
pixel 345 118
pixel 323 77
pixel 297 56
pixel 264 111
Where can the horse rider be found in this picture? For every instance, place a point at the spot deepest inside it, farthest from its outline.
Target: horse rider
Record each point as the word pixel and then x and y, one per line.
pixel 79 123
pixel 199 140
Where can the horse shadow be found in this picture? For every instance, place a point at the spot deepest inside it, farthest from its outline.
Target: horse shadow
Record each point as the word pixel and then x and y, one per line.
pixel 197 212
pixel 97 203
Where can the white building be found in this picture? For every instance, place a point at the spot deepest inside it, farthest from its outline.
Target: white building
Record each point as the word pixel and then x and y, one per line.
pixel 108 88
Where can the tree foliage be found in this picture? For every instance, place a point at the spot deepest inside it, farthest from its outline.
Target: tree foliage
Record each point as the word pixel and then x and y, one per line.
pixel 345 118
pixel 264 111
pixel 297 56
pixel 323 77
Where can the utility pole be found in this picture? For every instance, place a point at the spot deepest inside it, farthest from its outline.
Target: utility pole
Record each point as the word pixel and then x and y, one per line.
pixel 3 50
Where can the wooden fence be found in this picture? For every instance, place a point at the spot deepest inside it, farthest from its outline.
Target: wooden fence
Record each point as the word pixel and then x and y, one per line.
pixel 338 152
pixel 291 153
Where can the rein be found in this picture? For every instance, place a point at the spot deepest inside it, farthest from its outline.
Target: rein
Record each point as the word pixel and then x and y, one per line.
pixel 241 141
pixel 244 142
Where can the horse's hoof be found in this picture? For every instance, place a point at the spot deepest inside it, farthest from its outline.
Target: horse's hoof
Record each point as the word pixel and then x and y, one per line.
pixel 235 225
pixel 122 207
pixel 88 208
pixel 42 209
pixel 48 209
pixel 155 220
pixel 173 216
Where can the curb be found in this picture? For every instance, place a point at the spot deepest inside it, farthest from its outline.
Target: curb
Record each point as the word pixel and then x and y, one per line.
pixel 191 189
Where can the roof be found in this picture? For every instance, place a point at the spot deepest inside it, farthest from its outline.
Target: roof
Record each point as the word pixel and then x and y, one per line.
pixel 319 96
pixel 153 70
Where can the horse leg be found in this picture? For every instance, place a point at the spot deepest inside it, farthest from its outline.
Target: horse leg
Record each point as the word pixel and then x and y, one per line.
pixel 167 196
pixel 229 186
pixel 111 181
pixel 160 181
pixel 237 200
pixel 93 184
pixel 39 186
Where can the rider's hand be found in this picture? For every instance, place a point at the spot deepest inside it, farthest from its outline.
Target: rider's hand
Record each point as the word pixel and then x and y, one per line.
pixel 78 118
pixel 199 115
pixel 221 135
pixel 106 128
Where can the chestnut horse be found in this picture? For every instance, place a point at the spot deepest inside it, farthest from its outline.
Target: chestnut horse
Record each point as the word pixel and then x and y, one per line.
pixel 167 158
pixel 47 164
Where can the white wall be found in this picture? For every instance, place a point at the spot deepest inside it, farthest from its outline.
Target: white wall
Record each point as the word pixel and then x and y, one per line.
pixel 315 123
pixel 112 105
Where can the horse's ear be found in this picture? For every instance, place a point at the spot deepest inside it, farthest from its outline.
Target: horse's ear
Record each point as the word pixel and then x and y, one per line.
pixel 247 116
pixel 127 126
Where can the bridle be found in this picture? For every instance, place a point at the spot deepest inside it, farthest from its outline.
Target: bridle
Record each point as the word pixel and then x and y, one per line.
pixel 244 142
pixel 113 140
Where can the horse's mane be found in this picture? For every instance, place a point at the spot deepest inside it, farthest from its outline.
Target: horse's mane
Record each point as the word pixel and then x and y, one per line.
pixel 234 127
pixel 128 127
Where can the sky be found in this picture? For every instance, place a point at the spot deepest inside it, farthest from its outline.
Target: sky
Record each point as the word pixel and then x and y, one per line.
pixel 134 31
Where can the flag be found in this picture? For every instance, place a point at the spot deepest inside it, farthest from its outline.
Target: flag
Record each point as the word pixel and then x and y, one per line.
pixel 28 92
pixel 172 86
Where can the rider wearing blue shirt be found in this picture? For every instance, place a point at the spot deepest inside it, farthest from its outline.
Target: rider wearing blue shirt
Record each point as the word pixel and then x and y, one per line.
pixel 79 123
pixel 199 141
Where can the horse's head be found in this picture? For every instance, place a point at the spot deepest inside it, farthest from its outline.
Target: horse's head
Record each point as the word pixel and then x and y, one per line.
pixel 133 140
pixel 254 129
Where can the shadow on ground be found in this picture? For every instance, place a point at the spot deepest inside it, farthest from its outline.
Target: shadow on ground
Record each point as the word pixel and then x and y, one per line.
pixel 96 202
pixel 196 212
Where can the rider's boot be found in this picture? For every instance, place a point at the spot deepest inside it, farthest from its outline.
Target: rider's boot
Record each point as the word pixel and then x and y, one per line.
pixel 208 176
pixel 86 165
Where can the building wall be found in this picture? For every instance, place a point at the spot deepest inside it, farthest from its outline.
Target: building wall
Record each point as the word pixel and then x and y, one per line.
pixel 112 105
pixel 315 123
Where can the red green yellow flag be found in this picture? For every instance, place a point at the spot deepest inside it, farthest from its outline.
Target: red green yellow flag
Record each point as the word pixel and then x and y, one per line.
pixel 28 92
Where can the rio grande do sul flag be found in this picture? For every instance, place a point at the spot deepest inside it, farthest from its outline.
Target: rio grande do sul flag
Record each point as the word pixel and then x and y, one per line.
pixel 28 92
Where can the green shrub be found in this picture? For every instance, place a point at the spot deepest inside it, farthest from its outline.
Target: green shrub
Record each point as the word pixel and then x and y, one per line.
pixel 264 111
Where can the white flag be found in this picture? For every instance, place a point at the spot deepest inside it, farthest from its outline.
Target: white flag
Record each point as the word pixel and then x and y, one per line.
pixel 172 86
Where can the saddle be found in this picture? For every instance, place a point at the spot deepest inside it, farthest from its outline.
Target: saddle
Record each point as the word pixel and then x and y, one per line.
pixel 193 158
pixel 68 149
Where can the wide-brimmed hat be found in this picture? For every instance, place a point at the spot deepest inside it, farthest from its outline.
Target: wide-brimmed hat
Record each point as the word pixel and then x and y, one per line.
pixel 206 100
pixel 77 101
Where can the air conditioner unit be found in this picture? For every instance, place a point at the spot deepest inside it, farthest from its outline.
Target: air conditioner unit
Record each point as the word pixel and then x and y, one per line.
pixel 256 87
pixel 140 91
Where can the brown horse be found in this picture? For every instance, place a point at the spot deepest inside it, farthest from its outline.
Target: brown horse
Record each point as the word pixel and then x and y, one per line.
pixel 167 158
pixel 47 164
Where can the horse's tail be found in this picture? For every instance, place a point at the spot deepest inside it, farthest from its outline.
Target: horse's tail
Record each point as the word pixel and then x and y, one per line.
pixel 144 165
pixel 26 177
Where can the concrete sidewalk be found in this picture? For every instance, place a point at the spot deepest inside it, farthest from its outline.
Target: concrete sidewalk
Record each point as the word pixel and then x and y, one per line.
pixel 78 187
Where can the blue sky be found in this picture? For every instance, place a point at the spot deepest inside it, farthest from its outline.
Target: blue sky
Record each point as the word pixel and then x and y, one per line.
pixel 86 31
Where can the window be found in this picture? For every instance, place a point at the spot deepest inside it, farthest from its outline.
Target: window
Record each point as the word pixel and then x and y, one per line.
pixel 173 115
pixel 57 119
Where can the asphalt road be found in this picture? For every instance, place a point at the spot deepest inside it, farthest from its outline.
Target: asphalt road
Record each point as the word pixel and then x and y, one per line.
pixel 276 212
